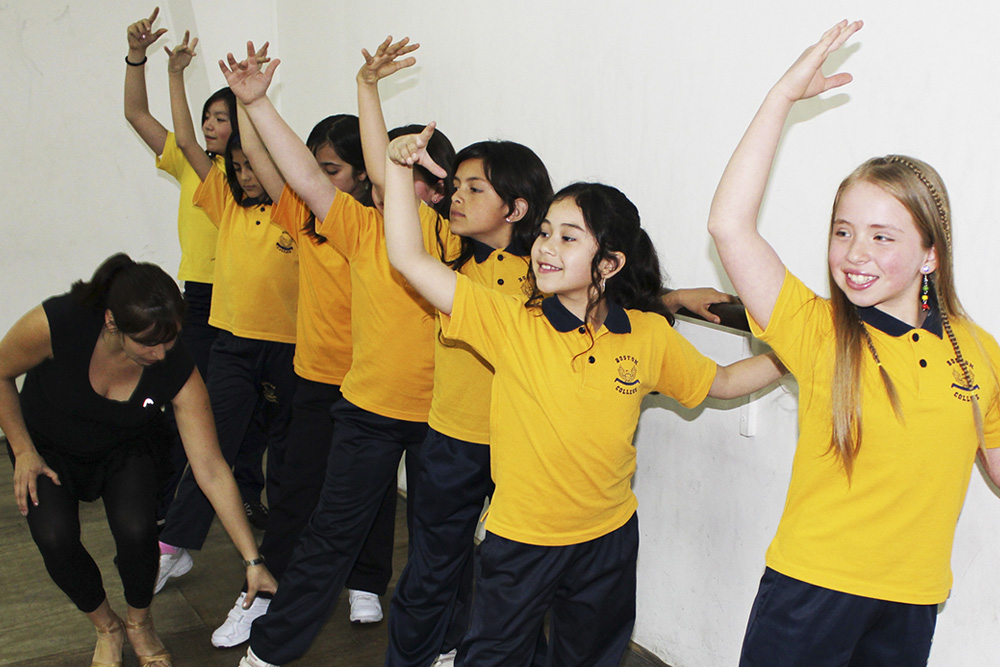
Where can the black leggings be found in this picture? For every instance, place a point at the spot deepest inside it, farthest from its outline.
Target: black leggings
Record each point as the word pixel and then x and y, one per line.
pixel 130 496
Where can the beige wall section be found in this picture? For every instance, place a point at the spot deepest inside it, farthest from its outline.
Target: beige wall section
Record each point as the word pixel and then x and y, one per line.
pixel 651 97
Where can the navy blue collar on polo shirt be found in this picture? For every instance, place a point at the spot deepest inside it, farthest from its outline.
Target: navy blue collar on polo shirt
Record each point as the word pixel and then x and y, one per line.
pixel 564 321
pixel 482 252
pixel 888 324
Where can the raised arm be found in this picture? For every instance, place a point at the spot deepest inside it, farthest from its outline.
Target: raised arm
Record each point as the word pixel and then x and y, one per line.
pixel 374 136
pixel 403 237
pixel 27 344
pixel 187 139
pixel 751 263
pixel 293 158
pixel 197 429
pixel 140 37
pixel 263 166
pixel 746 376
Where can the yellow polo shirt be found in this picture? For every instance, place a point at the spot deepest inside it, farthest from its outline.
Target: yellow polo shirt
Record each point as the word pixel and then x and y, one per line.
pixel 563 413
pixel 888 534
pixel 257 267
pixel 392 327
pixel 323 323
pixel 460 407
pixel 196 232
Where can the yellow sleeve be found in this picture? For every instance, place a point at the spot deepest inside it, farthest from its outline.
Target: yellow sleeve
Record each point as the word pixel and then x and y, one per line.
pixel 172 161
pixel 686 374
pixel 480 317
pixel 347 223
pixel 990 406
pixel 212 194
pixel 290 212
pixel 800 330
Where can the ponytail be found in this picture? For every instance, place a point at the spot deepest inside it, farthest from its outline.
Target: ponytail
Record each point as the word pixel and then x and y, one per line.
pixel 144 301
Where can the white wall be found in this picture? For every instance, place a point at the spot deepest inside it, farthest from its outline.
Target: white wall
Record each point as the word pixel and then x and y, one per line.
pixel 649 96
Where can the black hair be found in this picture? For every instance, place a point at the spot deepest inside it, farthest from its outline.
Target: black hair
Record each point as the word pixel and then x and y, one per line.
pixel 144 301
pixel 227 96
pixel 443 153
pixel 614 222
pixel 342 133
pixel 234 181
pixel 515 172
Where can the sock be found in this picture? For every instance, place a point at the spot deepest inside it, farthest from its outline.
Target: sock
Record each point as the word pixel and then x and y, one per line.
pixel 168 548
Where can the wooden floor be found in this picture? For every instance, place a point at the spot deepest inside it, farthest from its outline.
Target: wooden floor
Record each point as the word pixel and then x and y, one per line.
pixel 39 627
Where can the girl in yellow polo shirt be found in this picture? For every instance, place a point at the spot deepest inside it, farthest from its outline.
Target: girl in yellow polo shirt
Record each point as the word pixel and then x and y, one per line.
pixel 386 392
pixel 861 558
pixel 322 359
pixel 570 373
pixel 251 379
pixel 196 232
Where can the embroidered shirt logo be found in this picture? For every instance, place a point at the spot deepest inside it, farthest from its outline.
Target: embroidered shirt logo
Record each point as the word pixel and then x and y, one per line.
pixel 628 372
pixel 148 402
pixel 285 243
pixel 963 391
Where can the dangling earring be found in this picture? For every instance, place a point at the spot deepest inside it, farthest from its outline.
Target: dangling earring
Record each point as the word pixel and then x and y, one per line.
pixel 925 291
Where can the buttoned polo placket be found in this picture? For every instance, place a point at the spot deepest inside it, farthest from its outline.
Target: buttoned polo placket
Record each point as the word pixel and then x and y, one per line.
pixel 592 361
pixel 921 343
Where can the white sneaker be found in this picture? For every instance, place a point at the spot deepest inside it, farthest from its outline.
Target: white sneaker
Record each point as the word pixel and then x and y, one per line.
pixel 236 628
pixel 173 565
pixel 446 659
pixel 365 607
pixel 251 660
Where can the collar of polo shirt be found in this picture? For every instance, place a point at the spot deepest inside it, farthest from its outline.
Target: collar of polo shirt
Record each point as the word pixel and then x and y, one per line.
pixel 563 321
pixel 888 324
pixel 482 252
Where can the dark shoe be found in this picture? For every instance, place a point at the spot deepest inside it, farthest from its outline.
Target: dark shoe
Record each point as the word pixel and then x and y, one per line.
pixel 256 514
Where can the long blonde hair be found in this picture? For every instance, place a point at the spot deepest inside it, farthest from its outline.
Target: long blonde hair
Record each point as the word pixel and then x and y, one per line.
pixel 919 188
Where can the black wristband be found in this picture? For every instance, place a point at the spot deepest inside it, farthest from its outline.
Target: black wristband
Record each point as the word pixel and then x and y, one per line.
pixel 259 560
pixel 138 64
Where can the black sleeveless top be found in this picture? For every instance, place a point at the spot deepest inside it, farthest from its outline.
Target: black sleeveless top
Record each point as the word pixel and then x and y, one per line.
pixel 67 419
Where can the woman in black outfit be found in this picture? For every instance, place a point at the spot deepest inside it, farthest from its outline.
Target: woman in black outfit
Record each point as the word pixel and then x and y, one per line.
pixel 101 362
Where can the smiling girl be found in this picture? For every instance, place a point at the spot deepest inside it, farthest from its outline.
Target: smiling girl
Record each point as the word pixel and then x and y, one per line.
pixel 861 558
pixel 562 531
pixel 386 392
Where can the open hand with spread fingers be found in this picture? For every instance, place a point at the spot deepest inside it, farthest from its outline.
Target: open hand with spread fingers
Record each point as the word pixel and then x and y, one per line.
pixel 248 81
pixel 388 60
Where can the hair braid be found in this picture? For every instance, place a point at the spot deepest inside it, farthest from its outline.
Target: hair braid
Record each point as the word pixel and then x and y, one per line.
pixel 890 387
pixel 935 195
pixel 977 412
pixel 942 211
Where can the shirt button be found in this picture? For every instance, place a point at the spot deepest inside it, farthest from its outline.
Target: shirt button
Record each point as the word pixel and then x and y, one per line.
pixel 499 258
pixel 923 363
pixel 591 360
pixel 916 337
pixel 582 329
pixel 263 208
pixel 500 282
pixel 258 222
